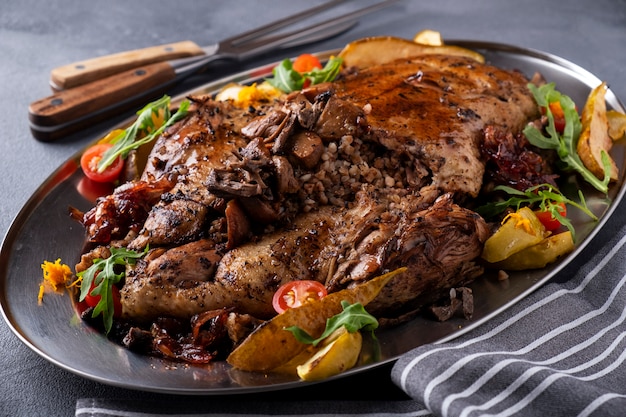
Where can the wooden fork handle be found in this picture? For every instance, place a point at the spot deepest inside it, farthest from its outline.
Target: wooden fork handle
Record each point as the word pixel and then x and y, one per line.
pixel 83 72
pixel 70 110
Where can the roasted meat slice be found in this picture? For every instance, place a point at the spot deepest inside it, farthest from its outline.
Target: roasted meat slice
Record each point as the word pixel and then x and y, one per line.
pixel 191 152
pixel 438 242
pixel 246 277
pixel 439 246
pixel 435 108
pixel 204 140
pixel 431 108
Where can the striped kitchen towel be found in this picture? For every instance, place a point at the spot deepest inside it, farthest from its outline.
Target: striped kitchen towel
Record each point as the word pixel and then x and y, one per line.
pixel 559 352
pixel 242 407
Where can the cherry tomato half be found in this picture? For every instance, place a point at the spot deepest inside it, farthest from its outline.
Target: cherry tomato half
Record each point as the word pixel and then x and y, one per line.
pixel 93 300
pixel 295 293
pixel 545 217
pixel 306 63
pixel 89 164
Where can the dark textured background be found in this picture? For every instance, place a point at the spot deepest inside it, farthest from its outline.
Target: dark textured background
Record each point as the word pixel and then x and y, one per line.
pixel 36 36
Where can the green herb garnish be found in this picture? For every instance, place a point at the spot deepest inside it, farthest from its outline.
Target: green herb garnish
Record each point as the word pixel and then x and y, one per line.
pixel 287 79
pixel 151 121
pixel 101 276
pixel 353 317
pixel 564 144
pixel 543 197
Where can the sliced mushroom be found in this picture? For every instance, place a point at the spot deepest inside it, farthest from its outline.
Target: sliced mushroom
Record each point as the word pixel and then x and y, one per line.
pixel 238 225
pixel 285 130
pixel 259 210
pixel 339 118
pixel 307 148
pixel 286 181
pixel 307 113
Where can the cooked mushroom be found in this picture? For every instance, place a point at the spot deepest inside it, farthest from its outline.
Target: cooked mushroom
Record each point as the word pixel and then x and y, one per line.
pixel 307 148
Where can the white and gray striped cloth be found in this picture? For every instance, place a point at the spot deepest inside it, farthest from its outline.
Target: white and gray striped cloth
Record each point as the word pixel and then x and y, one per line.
pixel 559 352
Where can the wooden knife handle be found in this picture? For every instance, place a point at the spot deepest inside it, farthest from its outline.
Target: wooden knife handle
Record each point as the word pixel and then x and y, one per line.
pixel 102 98
pixel 83 72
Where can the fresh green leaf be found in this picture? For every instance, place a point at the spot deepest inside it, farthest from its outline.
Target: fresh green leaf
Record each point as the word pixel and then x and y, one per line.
pixel 286 79
pixel 101 274
pixel 565 144
pixel 541 197
pixel 353 317
pixel 326 74
pixel 143 125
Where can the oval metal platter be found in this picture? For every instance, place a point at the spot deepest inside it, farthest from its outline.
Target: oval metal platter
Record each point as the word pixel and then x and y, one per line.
pixel 43 231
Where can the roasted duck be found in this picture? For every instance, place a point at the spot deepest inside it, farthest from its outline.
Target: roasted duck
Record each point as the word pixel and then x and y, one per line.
pixel 335 183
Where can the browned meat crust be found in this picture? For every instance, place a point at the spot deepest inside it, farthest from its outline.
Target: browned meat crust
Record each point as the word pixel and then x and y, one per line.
pixel 435 108
pixel 331 246
pixel 337 183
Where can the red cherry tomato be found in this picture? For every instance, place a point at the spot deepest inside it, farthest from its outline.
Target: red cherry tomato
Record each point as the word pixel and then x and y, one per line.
pixel 93 300
pixel 559 116
pixel 306 63
pixel 545 217
pixel 295 293
pixel 89 164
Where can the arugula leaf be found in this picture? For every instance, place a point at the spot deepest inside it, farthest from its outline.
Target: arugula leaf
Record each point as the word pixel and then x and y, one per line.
pixel 544 197
pixel 147 124
pixel 328 73
pixel 353 317
pixel 565 144
pixel 287 79
pixel 101 274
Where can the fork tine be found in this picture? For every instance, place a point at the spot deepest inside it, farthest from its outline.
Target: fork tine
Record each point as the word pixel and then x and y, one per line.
pixel 291 38
pixel 273 26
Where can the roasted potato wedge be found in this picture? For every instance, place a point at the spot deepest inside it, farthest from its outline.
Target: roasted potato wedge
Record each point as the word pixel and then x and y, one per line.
pixel 337 353
pixel 269 346
pixel 370 51
pixel 617 124
pixel 594 136
pixel 428 37
pixel 537 256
